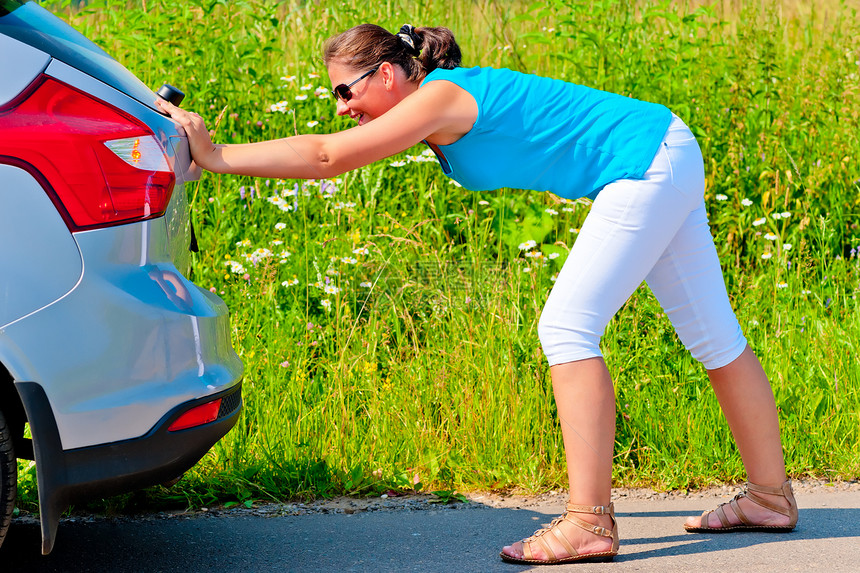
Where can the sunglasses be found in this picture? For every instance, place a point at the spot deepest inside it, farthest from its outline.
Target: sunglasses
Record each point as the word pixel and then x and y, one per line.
pixel 343 92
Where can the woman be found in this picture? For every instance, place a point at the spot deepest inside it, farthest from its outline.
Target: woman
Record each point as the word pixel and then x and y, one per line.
pixel 494 128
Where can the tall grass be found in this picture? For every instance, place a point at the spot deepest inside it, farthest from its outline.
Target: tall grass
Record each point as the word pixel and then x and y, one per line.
pixel 387 319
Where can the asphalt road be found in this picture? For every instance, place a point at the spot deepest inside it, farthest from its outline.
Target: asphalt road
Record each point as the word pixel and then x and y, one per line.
pixel 465 538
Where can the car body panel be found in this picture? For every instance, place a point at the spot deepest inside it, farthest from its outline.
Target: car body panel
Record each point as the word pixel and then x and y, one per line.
pixel 40 259
pixel 19 72
pixel 133 339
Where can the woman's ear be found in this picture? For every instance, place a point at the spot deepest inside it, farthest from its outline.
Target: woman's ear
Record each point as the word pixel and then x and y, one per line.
pixel 388 75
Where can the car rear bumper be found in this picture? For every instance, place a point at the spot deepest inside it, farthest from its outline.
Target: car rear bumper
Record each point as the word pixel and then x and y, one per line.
pixel 66 476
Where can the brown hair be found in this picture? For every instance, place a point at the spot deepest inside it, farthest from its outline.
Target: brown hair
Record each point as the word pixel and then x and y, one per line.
pixel 418 52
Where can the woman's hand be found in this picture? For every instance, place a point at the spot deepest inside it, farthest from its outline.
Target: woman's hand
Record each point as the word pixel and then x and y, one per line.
pixel 203 151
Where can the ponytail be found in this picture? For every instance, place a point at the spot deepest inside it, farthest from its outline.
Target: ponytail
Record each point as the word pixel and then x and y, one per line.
pixel 439 49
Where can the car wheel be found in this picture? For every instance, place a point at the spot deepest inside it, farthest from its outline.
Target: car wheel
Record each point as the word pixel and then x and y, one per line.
pixel 8 477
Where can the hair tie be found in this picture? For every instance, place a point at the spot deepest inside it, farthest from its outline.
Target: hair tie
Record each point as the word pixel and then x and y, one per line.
pixel 411 41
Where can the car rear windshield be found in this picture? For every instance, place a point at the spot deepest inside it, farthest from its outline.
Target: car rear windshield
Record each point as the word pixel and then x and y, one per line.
pixel 30 23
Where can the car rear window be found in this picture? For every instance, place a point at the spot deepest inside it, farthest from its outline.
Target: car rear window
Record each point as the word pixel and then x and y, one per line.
pixel 30 23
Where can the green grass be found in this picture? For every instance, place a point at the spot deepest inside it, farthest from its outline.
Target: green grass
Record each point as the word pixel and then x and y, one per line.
pixel 431 375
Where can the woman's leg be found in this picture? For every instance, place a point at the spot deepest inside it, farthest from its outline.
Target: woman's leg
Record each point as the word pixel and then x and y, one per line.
pixel 623 237
pixel 585 399
pixel 688 282
pixel 746 398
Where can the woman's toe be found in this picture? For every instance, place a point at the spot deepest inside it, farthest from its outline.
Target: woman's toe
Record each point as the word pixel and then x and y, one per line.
pixel 693 522
pixel 515 550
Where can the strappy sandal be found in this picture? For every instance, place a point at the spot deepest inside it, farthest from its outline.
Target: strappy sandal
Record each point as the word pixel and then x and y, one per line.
pixel 750 490
pixel 537 537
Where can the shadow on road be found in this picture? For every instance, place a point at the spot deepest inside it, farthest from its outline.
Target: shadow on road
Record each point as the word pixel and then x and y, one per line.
pixel 465 539
pixel 813 524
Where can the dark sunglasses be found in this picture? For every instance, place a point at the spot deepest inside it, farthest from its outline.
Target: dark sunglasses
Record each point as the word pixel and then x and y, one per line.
pixel 343 92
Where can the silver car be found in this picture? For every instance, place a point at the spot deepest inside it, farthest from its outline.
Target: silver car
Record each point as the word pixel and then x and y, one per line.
pixel 121 366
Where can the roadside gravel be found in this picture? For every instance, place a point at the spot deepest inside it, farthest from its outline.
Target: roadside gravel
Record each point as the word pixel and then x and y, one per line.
pixel 427 501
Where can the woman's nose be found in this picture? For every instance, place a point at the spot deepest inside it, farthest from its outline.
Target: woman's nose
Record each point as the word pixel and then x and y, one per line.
pixel 342 107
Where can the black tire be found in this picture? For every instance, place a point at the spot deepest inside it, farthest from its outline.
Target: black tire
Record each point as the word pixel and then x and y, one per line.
pixel 8 478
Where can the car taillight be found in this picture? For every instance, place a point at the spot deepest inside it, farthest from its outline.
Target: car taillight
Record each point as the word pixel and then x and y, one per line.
pixel 197 416
pixel 103 166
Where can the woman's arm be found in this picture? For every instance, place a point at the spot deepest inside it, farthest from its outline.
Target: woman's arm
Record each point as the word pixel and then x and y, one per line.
pixel 439 108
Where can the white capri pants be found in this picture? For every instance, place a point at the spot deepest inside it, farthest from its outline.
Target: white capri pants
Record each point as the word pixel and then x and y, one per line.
pixel 654 229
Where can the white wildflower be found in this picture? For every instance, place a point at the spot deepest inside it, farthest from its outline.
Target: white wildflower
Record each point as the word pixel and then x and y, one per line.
pixel 261 253
pixel 281 107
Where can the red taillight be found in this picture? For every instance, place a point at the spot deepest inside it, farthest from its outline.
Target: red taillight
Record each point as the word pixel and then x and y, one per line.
pixel 197 416
pixel 103 166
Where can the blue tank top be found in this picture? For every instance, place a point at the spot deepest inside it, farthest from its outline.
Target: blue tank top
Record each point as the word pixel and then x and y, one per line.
pixel 549 135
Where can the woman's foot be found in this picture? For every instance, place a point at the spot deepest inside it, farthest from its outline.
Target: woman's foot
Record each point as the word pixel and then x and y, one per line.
pixel 757 508
pixel 590 535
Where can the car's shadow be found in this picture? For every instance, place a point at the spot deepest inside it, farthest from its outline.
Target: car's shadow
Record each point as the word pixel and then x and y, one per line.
pixel 465 539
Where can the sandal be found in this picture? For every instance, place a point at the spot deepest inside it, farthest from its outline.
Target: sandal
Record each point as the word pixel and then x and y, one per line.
pixel 537 537
pixel 750 490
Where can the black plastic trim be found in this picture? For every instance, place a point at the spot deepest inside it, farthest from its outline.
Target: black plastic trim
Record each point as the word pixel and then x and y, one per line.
pixel 13 411
pixel 68 476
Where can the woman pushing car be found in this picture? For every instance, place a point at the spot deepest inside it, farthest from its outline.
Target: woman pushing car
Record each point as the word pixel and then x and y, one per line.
pixel 642 167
